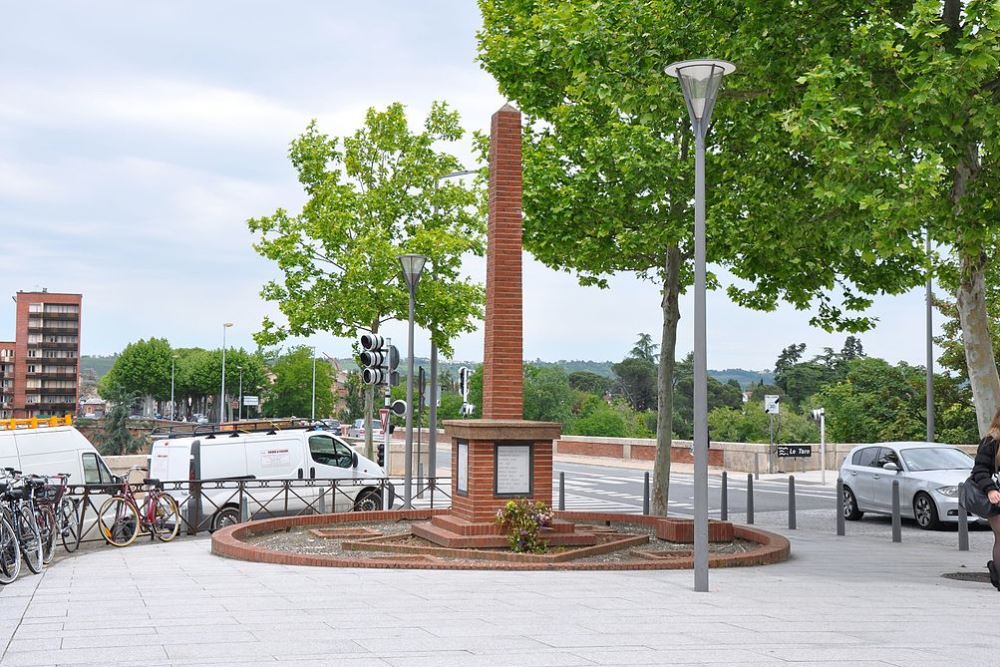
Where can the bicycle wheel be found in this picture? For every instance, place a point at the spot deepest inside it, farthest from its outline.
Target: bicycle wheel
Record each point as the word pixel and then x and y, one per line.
pixel 167 518
pixel 68 521
pixel 10 552
pixel 46 520
pixel 30 539
pixel 118 520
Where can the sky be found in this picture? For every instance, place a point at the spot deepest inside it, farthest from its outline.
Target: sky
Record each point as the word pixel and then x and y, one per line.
pixel 136 139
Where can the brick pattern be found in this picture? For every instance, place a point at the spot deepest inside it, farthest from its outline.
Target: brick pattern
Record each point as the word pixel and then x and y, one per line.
pixel 614 450
pixel 480 505
pixel 503 379
pixel 228 542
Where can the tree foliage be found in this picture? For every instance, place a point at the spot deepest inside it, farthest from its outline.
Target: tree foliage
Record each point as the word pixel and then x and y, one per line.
pixel 291 393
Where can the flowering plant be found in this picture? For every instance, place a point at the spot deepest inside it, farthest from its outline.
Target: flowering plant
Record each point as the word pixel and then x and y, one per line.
pixel 522 519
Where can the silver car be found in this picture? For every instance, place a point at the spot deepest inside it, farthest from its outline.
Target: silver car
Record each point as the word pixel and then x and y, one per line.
pixel 928 474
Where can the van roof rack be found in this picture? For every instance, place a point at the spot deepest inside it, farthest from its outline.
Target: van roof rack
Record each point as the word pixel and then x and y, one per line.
pixel 34 422
pixel 232 429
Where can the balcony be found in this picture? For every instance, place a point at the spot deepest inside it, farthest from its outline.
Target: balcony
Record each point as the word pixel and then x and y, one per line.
pixel 53 361
pixel 53 331
pixel 53 391
pixel 48 375
pixel 57 316
pixel 53 346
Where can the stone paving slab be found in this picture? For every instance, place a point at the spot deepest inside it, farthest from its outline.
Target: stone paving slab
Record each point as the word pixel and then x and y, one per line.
pixel 857 601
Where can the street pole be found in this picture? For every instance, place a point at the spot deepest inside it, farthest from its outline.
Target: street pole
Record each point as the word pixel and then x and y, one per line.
pixel 930 348
pixel 700 82
pixel 222 393
pixel 312 414
pixel 408 454
pixel 173 408
pixel 432 419
pixel 822 447
pixel 239 406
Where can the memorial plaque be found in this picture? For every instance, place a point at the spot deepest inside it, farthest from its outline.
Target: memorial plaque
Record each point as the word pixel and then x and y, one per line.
pixel 463 468
pixel 513 470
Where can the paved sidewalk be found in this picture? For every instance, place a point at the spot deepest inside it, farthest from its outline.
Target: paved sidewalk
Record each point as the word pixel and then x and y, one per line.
pixel 856 601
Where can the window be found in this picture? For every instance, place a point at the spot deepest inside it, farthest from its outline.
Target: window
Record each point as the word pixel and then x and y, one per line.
pixel 34 307
pixel 94 470
pixel 866 457
pixel 936 458
pixel 327 451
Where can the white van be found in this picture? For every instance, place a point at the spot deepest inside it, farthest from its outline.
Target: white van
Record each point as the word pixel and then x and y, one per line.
pixel 50 450
pixel 224 458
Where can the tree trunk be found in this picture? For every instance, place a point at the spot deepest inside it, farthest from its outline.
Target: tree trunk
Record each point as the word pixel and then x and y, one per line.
pixel 983 378
pixel 665 382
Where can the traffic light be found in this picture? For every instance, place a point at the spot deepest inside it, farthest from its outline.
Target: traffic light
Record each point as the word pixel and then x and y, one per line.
pixel 378 360
pixel 381 454
pixel 463 383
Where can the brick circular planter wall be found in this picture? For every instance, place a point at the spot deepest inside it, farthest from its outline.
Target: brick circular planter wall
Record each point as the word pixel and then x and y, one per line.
pixel 230 542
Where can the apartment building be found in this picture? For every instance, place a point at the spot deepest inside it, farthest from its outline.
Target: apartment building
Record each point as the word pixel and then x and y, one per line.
pixel 44 360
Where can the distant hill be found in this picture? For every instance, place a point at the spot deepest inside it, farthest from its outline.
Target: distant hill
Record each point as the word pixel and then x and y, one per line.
pixel 100 364
pixel 603 368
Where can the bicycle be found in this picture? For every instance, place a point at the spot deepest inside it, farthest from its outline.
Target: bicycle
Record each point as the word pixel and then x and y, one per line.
pixel 158 516
pixel 10 549
pixel 64 510
pixel 18 508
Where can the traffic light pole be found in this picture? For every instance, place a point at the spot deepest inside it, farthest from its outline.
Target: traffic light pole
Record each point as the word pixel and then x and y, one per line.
pixel 385 432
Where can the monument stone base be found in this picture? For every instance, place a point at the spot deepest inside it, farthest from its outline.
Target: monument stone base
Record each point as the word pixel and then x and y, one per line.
pixel 494 461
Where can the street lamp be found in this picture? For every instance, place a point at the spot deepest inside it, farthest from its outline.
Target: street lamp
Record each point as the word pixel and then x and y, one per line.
pixel 432 426
pixel 700 82
pixel 173 406
pixel 930 345
pixel 312 414
pixel 222 394
pixel 413 266
pixel 239 406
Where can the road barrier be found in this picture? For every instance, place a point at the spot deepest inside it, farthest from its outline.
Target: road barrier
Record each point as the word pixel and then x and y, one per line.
pixel 246 498
pixel 645 494
pixel 963 524
pixel 840 507
pixel 724 500
pixel 897 521
pixel 791 502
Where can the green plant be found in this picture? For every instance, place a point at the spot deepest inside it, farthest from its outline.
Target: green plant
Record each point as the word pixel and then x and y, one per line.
pixel 522 519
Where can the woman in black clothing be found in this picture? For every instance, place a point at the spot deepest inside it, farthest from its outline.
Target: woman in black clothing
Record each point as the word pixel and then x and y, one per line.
pixel 984 473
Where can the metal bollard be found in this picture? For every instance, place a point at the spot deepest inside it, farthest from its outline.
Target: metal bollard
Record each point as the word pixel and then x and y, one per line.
pixel 963 525
pixel 562 492
pixel 645 494
pixel 897 522
pixel 756 465
pixel 840 507
pixel 724 501
pixel 244 510
pixel 750 499
pixel 791 502
pixel 322 501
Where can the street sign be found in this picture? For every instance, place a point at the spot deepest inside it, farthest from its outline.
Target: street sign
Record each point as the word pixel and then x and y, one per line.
pixel 794 451
pixel 771 404
pixel 383 416
pixel 251 401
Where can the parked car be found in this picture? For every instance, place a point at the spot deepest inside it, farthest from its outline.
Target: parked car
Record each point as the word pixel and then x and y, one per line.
pixel 357 429
pixel 332 425
pixel 928 475
pixel 290 454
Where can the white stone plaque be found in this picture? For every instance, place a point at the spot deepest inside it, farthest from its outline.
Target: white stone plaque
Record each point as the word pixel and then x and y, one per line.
pixel 463 467
pixel 513 470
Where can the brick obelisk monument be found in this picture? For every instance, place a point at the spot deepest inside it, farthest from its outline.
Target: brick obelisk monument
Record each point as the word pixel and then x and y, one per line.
pixel 501 456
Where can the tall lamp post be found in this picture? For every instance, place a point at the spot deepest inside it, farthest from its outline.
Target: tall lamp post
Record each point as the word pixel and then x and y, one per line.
pixel 432 430
pixel 239 406
pixel 930 346
pixel 413 266
pixel 222 394
pixel 312 412
pixel 700 81
pixel 173 406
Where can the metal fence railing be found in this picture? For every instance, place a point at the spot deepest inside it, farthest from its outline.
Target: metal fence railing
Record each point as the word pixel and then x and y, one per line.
pixel 207 504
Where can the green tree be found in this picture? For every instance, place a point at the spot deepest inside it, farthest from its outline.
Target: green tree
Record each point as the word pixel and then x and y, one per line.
pixel 589 382
pixel 291 393
pixel 547 394
pixel 636 380
pixel 749 423
pixel 116 439
pixel 902 113
pixel 644 348
pixel 143 368
pixel 608 164
pixel 372 196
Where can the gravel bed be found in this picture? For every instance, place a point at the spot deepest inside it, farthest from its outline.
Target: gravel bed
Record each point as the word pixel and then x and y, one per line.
pixel 301 541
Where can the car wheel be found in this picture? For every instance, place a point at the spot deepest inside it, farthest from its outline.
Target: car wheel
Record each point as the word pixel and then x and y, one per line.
pixel 925 512
pixel 227 516
pixel 368 501
pixel 851 511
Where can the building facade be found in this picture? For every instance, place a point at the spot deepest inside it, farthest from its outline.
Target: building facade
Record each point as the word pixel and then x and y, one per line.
pixel 6 379
pixel 45 356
